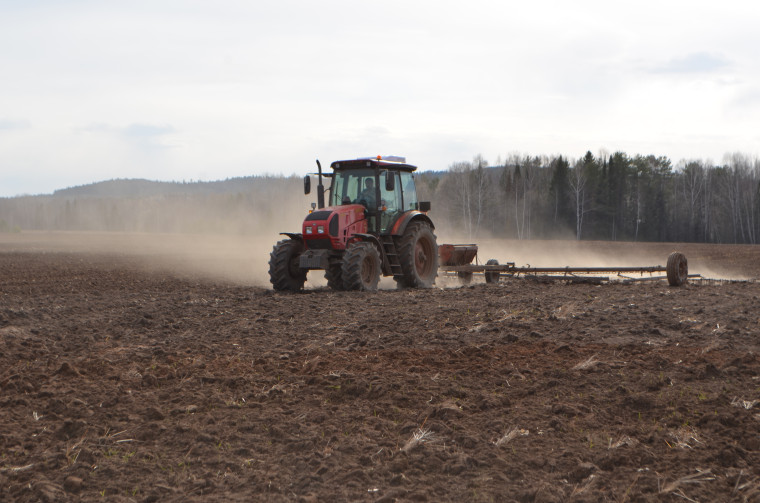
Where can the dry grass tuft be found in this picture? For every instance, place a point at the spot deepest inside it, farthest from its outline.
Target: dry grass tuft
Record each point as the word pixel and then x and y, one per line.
pixel 420 436
pixel 565 311
pixel 674 487
pixel 685 437
pixel 17 469
pixel 586 485
pixel 626 440
pixel 590 362
pixel 747 404
pixel 749 487
pixel 511 434
pixel 504 315
pixel 477 327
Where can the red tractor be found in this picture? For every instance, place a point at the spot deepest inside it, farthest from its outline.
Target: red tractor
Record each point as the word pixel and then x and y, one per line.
pixel 372 225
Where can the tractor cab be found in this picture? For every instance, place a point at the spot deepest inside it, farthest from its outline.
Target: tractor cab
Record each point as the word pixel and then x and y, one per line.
pixel 384 188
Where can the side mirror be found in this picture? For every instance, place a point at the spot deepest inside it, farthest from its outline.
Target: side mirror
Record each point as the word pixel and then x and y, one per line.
pixel 424 206
pixel 390 181
pixel 306 184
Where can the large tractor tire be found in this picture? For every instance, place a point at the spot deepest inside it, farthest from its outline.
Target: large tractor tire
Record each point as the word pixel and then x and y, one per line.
pixel 418 255
pixel 677 269
pixel 361 267
pixel 334 276
pixel 492 276
pixel 284 271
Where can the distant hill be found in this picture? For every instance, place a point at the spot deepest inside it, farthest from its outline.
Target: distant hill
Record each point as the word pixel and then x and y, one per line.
pixel 138 187
pixel 147 188
pixel 242 205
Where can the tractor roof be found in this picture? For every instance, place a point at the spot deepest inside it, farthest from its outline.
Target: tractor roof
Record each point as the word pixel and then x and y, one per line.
pixel 374 162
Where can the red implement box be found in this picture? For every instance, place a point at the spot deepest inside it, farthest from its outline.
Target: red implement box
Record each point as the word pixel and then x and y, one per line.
pixel 453 255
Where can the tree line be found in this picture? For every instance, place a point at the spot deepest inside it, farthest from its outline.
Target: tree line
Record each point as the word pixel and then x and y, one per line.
pixel 606 197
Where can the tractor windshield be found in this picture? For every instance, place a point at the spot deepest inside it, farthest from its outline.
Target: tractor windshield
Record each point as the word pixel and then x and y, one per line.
pixel 351 187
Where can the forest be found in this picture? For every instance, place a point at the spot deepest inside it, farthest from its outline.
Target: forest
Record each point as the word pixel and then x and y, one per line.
pixel 605 197
pixel 610 197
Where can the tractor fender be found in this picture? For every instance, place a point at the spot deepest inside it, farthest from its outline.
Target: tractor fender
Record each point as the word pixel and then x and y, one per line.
pixel 410 216
pixel 372 239
pixel 293 235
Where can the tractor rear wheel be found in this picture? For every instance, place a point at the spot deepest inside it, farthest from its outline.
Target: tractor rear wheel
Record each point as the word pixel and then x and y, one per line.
pixel 418 255
pixel 361 267
pixel 677 269
pixel 284 271
pixel 334 276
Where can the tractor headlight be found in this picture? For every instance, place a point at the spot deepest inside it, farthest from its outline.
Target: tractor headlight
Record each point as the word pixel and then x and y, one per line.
pixel 320 229
pixel 308 230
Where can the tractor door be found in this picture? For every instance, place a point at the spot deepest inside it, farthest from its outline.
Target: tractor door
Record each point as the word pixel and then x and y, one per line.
pixel 391 201
pixel 409 191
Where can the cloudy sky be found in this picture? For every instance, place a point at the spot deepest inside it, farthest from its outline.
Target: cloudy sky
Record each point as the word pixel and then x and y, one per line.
pixel 200 90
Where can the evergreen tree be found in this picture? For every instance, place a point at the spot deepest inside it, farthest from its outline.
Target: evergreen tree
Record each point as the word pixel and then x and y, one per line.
pixel 559 194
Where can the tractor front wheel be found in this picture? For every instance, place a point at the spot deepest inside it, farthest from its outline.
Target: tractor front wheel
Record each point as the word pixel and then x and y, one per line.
pixel 361 267
pixel 284 271
pixel 418 254
pixel 334 276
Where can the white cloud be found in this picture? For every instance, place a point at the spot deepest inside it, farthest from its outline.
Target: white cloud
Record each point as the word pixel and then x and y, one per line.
pixel 13 124
pixel 698 62
pixel 180 90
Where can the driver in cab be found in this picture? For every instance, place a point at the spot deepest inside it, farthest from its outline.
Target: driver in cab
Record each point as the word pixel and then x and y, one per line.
pixel 367 196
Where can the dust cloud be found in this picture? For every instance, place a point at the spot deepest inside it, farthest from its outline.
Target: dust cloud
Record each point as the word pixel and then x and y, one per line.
pixel 231 246
pixel 237 251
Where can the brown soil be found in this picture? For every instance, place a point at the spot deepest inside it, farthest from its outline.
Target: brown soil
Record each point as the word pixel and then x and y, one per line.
pixel 125 383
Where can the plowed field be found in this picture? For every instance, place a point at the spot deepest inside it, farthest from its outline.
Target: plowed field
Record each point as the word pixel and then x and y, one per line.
pixel 122 380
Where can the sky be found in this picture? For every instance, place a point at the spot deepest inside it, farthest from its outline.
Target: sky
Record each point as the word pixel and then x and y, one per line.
pixel 200 90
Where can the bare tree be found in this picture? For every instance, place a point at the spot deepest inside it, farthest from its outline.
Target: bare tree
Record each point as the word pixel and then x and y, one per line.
pixel 693 188
pixel 736 176
pixel 480 187
pixel 578 179
pixel 524 176
pixel 459 180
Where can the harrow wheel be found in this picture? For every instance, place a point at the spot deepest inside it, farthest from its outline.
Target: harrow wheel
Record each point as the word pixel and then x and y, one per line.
pixel 492 276
pixel 677 269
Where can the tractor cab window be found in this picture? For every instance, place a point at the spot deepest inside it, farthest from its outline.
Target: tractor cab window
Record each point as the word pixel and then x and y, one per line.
pixel 348 186
pixel 410 193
